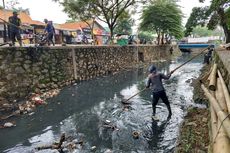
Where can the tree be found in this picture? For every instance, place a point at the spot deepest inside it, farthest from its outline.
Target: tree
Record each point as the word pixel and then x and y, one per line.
pixel 146 35
pixel 200 31
pixel 81 10
pixel 165 17
pixel 216 14
pixel 27 11
pixel 11 4
pixel 107 11
pixel 124 23
pixel 197 17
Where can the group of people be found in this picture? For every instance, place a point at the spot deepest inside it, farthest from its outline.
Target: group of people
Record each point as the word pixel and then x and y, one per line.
pixel 14 30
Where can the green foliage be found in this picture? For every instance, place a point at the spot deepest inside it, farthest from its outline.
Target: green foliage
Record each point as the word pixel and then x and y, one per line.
pixel 27 11
pixel 146 35
pixel 107 11
pixel 70 21
pixel 124 24
pixel 197 17
pixel 163 16
pixel 79 9
pixel 227 13
pixel 11 4
pixel 216 14
pixel 214 21
pixel 201 32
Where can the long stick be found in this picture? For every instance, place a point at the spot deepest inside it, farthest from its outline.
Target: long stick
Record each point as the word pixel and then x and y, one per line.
pixel 125 101
pixel 14 24
pixel 133 95
pixel 4 44
pixel 225 91
pixel 189 60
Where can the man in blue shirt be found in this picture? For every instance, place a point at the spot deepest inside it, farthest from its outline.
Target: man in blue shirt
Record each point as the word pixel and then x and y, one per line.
pixel 49 31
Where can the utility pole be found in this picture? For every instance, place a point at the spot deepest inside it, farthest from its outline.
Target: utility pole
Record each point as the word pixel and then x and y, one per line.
pixel 4 33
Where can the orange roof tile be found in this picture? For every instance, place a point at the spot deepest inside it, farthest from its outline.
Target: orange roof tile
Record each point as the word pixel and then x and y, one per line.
pixel 25 18
pixel 74 25
pixel 78 25
pixel 34 22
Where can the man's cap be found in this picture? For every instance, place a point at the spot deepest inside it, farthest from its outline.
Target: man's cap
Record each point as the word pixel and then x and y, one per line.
pixel 152 68
pixel 15 12
pixel 45 20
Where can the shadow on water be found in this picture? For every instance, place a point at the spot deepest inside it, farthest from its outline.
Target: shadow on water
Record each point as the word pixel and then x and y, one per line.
pixel 80 111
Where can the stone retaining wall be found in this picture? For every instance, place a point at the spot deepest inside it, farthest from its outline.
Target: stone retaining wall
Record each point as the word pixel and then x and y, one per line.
pixel 29 69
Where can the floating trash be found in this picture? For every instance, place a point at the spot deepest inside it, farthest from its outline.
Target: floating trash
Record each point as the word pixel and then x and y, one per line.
pixel 107 121
pixel 136 134
pixel 8 125
pixel 93 148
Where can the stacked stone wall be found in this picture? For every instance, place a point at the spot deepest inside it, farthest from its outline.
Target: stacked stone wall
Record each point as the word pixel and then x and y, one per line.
pixel 29 69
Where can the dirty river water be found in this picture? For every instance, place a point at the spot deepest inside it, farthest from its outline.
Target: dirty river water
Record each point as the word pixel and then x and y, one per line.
pixel 81 110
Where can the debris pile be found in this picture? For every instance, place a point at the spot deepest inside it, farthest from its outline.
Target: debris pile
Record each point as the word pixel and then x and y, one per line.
pixel 135 134
pixel 65 144
pixel 8 125
pixel 36 99
pixel 26 107
pixel 109 125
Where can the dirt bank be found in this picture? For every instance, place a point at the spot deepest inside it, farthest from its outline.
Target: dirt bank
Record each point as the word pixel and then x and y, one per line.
pixel 194 136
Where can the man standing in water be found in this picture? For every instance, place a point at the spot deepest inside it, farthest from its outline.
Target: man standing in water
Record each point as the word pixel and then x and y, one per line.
pixel 158 91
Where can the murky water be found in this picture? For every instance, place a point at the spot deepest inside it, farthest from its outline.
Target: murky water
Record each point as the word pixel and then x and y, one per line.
pixel 80 111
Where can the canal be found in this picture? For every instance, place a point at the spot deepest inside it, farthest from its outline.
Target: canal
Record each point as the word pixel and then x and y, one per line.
pixel 81 111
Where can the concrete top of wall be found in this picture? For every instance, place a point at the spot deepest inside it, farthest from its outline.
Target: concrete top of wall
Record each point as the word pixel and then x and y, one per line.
pixel 81 46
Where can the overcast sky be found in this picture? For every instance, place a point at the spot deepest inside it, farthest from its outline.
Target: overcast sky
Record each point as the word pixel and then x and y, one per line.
pixel 41 9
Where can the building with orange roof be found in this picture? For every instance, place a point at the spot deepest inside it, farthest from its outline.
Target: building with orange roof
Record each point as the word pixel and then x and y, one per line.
pixel 82 28
pixel 67 32
pixel 27 22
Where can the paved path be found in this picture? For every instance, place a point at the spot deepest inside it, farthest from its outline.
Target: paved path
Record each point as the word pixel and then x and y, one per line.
pixel 225 57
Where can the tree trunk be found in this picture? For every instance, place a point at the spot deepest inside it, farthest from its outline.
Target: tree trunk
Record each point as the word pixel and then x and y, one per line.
pixel 111 33
pixel 227 35
pixel 92 34
pixel 223 22
pixel 158 39
pixel 162 39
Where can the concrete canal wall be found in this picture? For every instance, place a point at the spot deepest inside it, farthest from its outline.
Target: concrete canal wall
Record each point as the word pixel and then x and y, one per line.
pixel 223 60
pixel 29 69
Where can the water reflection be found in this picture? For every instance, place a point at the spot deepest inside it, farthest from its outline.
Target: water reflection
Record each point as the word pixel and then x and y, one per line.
pixel 80 112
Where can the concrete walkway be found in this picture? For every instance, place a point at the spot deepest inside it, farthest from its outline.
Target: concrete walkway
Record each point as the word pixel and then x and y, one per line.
pixel 225 57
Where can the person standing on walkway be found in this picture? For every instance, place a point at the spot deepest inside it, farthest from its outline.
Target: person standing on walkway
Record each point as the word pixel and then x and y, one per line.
pixel 49 31
pixel 208 56
pixel 14 28
pixel 158 91
pixel 210 51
